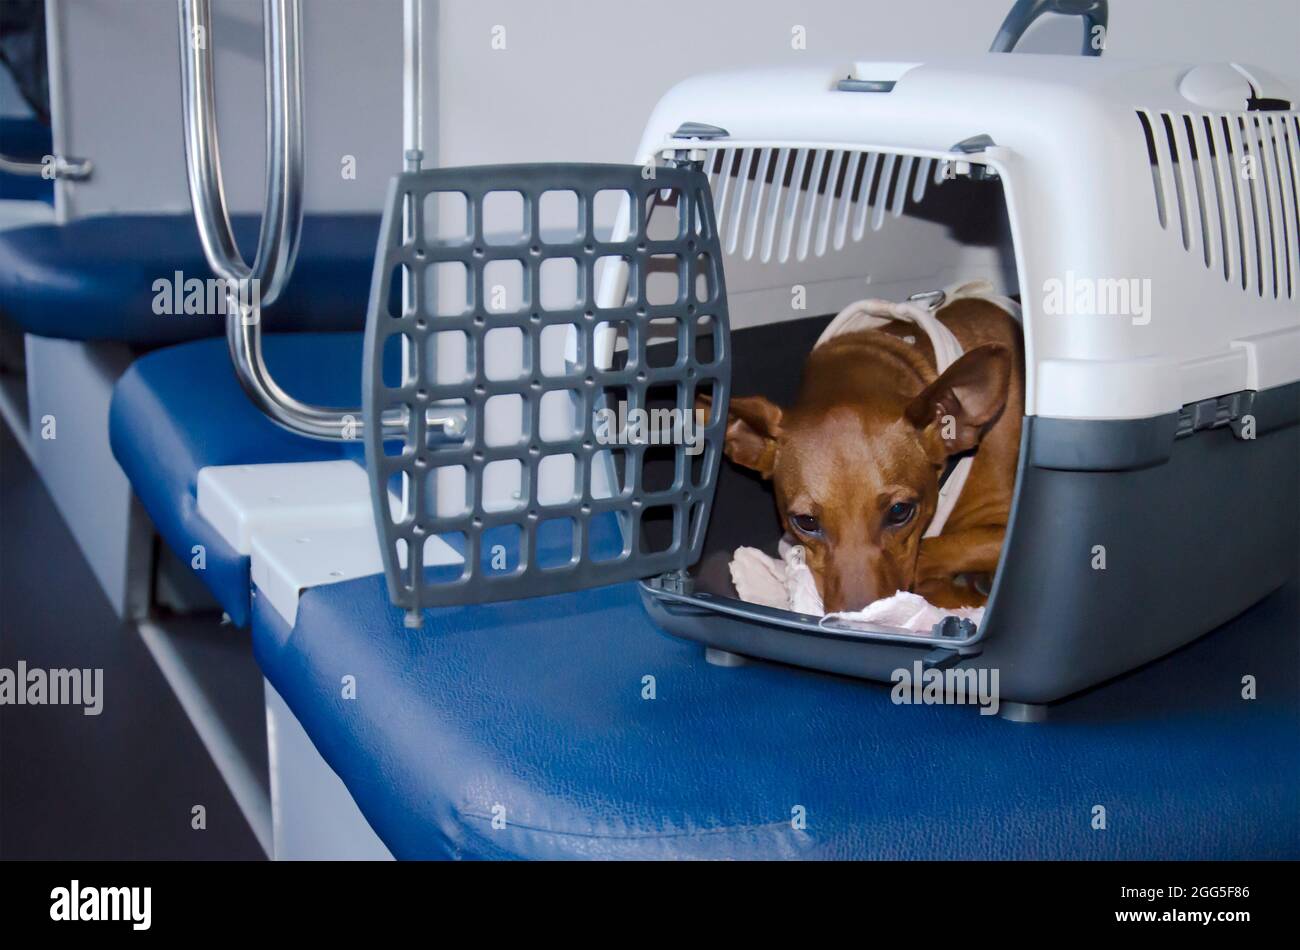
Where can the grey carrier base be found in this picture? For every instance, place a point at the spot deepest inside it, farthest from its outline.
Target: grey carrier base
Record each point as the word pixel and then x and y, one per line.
pixel 1127 540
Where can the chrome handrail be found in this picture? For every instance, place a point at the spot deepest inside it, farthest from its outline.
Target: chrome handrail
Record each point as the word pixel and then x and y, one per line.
pixel 73 169
pixel 277 245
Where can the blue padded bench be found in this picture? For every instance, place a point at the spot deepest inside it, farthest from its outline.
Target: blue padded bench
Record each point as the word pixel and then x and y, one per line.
pixel 180 409
pixel 535 706
pixel 29 140
pixel 93 278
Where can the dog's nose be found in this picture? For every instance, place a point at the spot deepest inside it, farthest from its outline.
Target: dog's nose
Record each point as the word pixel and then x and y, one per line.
pixel 849 594
pixel 859 579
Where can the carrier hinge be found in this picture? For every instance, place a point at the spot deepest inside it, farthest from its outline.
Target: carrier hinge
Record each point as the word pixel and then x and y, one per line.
pixel 678 157
pixel 674 582
pixel 972 170
pixel 691 158
pixel 951 628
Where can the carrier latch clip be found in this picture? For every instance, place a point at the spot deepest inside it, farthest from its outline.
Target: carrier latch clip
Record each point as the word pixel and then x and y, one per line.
pixel 1232 410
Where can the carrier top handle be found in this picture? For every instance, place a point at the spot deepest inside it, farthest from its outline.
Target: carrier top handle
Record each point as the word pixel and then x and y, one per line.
pixel 277 245
pixel 1095 14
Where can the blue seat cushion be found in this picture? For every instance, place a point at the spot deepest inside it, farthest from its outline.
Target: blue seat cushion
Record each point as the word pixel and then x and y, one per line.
pixel 180 409
pixel 533 712
pixel 27 139
pixel 94 278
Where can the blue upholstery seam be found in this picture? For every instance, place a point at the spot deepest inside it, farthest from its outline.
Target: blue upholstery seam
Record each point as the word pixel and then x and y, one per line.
pixel 736 829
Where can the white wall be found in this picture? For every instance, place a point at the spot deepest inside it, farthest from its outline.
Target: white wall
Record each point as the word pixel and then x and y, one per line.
pixel 578 77
pixel 575 82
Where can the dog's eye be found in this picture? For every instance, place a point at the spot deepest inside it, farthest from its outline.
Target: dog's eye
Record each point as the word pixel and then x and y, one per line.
pixel 900 513
pixel 806 524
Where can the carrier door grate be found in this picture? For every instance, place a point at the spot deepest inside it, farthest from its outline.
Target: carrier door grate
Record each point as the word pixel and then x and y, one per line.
pixel 570 344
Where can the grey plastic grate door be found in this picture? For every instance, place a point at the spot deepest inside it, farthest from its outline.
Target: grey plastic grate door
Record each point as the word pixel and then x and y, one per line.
pixel 577 455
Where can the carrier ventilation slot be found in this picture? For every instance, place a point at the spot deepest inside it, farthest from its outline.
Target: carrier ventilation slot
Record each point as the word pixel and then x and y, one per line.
pixel 1229 184
pixel 778 204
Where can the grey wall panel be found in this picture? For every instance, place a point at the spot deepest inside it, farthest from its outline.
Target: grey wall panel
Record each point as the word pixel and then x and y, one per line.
pixel 121 102
pixel 313 816
pixel 69 386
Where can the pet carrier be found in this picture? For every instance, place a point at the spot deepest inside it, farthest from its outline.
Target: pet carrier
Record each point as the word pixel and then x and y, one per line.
pixel 1148 225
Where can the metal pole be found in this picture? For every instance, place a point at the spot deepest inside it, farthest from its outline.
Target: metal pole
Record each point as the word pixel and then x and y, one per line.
pixel 412 158
pixel 412 84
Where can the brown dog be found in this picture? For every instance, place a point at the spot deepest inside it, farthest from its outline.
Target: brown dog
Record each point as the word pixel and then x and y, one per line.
pixel 856 461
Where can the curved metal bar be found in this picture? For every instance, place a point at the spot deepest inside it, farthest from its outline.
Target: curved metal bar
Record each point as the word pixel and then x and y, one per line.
pixel 282 220
pixel 251 288
pixel 1095 13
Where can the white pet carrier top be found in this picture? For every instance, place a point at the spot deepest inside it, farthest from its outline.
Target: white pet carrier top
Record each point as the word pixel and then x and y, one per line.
pixel 1153 208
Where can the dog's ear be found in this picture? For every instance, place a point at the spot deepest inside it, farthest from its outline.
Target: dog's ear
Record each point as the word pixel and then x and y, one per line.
pixel 955 409
pixel 753 426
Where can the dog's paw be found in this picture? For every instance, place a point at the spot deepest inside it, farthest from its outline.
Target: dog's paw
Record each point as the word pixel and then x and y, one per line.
pixel 951 592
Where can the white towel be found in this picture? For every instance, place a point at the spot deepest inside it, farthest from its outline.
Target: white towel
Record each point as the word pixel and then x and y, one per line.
pixel 787 583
